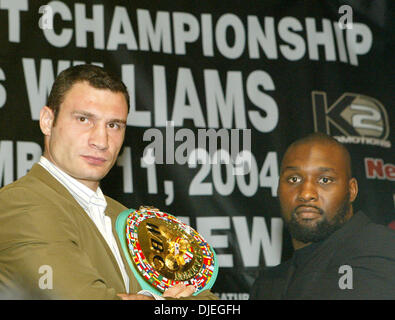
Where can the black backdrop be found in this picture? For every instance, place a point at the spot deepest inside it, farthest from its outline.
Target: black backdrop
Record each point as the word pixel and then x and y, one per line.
pixel 280 69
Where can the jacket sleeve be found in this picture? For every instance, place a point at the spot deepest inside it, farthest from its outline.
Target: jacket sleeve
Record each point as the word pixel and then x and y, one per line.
pixel 40 253
pixel 366 277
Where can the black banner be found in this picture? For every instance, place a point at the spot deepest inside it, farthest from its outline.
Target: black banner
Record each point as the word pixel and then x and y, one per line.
pixel 218 91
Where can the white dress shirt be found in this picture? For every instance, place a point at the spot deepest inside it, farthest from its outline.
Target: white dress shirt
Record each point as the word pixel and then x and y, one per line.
pixel 94 205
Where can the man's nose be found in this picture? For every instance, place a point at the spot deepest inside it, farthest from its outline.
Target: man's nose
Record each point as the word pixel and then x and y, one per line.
pixel 307 192
pixel 99 137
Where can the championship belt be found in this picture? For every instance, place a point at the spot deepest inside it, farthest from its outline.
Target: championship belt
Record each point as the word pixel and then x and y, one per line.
pixel 162 251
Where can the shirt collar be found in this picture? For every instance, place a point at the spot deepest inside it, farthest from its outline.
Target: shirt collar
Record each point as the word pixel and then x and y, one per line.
pixel 81 193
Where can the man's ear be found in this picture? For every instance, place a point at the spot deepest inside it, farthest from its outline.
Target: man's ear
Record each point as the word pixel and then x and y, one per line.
pixel 353 188
pixel 46 120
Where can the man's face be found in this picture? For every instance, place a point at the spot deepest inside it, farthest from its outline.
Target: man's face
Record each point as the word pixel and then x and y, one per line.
pixel 88 133
pixel 315 191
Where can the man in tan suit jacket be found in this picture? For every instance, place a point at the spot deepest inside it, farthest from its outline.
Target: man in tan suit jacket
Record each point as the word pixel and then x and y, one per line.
pixel 43 225
pixel 49 246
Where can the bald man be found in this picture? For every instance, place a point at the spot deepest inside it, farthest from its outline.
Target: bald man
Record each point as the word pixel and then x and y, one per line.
pixel 338 254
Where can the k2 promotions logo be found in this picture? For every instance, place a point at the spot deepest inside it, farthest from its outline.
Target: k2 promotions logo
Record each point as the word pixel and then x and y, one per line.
pixel 358 118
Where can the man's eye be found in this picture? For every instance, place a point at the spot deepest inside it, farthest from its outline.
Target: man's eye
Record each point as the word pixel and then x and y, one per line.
pixel 113 125
pixel 325 180
pixel 294 179
pixel 83 119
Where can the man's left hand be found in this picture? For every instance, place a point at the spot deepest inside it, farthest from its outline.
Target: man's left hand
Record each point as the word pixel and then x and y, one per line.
pixel 179 291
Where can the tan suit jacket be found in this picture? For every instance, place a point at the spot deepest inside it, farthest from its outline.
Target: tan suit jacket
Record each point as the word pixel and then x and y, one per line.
pixel 44 230
pixel 41 224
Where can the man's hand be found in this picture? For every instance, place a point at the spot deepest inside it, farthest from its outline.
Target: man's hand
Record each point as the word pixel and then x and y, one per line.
pixel 179 291
pixel 125 296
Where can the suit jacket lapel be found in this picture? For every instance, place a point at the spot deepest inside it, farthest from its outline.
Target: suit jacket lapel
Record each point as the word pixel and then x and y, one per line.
pixel 322 256
pixel 328 248
pixel 43 175
pixel 134 287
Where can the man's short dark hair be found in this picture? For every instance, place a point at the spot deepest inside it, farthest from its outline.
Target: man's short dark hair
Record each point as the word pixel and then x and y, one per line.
pixel 325 139
pixel 96 76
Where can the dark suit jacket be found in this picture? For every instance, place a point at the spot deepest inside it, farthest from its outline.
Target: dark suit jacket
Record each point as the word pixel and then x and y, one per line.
pixel 368 248
pixel 42 226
